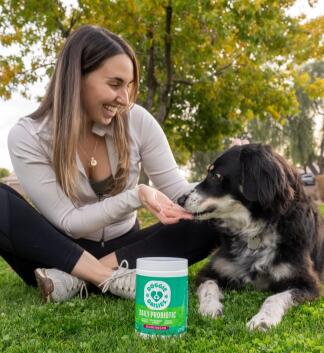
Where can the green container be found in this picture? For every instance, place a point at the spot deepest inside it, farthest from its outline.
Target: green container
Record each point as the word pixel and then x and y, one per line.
pixel 161 296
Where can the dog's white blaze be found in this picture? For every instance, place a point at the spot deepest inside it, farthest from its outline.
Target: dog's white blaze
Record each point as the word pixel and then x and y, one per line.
pixel 281 271
pixel 272 311
pixel 209 296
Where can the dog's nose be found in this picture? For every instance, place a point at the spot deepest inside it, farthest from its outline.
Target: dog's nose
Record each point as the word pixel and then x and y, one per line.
pixel 182 200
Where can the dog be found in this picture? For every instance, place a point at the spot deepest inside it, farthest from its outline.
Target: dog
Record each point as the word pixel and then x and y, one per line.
pixel 267 233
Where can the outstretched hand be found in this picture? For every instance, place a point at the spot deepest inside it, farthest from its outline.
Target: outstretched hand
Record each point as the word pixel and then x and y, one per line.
pixel 161 206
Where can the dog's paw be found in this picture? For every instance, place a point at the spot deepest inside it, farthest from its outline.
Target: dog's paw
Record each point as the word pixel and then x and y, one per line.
pixel 211 308
pixel 262 322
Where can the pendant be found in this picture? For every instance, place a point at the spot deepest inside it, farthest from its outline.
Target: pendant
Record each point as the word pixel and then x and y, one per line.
pixel 253 243
pixel 93 162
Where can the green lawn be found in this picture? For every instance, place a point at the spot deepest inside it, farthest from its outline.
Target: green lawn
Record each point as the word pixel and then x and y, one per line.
pixel 106 324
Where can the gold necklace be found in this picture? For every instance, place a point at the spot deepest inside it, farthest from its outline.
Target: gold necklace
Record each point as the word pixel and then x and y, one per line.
pixel 93 162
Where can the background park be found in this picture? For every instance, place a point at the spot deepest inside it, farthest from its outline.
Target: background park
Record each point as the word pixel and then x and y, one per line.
pixel 211 71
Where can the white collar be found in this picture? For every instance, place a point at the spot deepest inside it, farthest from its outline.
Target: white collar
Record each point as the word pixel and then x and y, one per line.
pixel 102 130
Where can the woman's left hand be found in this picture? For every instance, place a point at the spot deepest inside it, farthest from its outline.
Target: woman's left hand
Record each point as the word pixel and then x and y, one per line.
pixel 161 206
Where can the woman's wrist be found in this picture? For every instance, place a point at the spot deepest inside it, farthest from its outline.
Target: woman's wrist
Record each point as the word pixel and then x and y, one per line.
pixel 141 193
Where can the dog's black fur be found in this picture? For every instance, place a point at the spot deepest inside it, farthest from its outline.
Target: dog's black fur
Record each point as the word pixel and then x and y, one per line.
pixel 268 232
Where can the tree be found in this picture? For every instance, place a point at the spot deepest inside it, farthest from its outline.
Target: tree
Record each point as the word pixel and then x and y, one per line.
pixel 4 173
pixel 297 135
pixel 207 68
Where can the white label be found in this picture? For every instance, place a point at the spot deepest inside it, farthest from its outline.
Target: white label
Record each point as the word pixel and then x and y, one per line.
pixel 157 295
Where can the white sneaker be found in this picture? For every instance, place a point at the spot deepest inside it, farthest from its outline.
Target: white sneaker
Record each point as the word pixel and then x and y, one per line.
pixel 58 286
pixel 121 283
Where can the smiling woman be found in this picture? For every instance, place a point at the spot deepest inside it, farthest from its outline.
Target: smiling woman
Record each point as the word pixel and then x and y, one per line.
pixel 105 92
pixel 80 94
pixel 78 159
pixel 107 89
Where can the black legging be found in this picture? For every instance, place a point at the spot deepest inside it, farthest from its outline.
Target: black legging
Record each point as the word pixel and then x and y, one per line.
pixel 28 240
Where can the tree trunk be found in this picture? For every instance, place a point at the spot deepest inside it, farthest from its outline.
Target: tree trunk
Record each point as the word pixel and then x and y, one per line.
pixel 151 81
pixel 152 84
pixel 165 96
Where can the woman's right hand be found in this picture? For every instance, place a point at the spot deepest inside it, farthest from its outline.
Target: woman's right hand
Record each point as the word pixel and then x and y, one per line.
pixel 161 206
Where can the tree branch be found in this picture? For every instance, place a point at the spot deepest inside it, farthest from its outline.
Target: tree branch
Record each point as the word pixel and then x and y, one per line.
pixel 218 72
pixel 221 70
pixel 31 70
pixel 74 19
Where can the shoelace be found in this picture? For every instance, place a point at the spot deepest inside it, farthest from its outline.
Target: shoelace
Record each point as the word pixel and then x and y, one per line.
pixel 120 272
pixel 84 291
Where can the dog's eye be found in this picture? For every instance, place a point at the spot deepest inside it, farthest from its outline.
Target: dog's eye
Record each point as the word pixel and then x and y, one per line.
pixel 210 167
pixel 216 176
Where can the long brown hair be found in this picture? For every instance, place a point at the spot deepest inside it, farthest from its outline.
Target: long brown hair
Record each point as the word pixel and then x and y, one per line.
pixel 83 52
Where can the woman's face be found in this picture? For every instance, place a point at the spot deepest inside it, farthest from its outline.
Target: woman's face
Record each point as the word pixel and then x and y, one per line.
pixel 107 89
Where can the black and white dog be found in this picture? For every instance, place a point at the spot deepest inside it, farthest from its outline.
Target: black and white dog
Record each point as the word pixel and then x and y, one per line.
pixel 268 232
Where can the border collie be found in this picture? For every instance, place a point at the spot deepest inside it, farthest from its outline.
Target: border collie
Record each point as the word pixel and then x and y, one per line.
pixel 268 233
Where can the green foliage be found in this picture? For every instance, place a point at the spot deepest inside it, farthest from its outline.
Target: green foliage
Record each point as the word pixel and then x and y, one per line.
pixel 4 172
pixel 296 135
pixel 207 69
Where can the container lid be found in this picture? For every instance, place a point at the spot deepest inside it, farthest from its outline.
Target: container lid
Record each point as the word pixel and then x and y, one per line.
pixel 161 263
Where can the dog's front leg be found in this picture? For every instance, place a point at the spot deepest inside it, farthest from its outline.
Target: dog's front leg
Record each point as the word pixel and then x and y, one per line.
pixel 272 311
pixel 209 296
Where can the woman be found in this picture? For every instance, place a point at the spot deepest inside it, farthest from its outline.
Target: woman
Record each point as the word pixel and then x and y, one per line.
pixel 78 158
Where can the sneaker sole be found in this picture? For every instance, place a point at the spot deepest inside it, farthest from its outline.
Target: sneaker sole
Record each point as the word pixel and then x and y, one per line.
pixel 44 284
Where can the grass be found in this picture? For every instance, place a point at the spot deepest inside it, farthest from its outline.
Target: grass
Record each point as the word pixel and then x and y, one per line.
pixel 106 324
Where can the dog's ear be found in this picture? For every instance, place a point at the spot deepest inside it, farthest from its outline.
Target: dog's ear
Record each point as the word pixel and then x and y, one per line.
pixel 263 177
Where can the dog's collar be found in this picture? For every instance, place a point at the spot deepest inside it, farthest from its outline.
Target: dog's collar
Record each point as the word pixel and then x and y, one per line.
pixel 254 242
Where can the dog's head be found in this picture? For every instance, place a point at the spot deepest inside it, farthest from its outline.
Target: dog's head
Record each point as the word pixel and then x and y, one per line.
pixel 249 176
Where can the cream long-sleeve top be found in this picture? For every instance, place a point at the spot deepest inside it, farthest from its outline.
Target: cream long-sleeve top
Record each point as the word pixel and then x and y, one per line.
pixel 94 219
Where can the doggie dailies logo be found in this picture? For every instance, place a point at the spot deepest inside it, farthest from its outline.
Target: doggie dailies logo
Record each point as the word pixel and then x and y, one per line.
pixel 157 295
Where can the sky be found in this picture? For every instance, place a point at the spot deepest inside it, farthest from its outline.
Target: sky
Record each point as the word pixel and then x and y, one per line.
pixel 11 110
